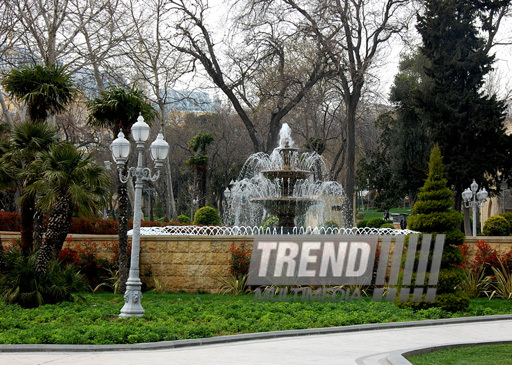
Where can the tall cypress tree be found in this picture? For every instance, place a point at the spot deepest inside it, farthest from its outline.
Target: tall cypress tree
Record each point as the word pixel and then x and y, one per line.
pixel 432 213
pixel 467 124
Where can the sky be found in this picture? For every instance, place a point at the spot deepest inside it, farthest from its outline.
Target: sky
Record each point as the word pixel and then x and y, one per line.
pixel 389 68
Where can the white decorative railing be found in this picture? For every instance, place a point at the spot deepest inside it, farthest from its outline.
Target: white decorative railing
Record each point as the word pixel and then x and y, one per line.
pixel 251 231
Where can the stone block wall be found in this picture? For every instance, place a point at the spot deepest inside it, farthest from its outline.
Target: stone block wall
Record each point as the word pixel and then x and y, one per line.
pixel 196 263
pixel 188 263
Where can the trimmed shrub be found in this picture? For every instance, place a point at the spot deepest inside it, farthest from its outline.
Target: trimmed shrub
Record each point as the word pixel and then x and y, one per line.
pixel 375 222
pixel 81 225
pixel 362 224
pixel 508 217
pixel 207 216
pixel 496 225
pixel 432 214
pixel 182 218
pixel 387 225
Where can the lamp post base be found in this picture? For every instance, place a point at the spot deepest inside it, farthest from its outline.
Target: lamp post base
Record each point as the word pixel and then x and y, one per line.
pixel 132 299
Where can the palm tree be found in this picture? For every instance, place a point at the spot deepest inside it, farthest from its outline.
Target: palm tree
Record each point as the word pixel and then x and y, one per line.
pixel 45 90
pixel 117 109
pixel 69 180
pixel 19 152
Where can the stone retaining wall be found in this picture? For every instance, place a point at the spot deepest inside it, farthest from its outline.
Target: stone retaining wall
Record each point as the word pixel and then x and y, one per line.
pixel 197 263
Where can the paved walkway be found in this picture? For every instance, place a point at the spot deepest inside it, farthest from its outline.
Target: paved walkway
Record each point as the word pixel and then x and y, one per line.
pixel 359 345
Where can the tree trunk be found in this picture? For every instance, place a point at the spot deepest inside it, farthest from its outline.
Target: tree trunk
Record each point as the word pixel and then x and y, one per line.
pixel 27 224
pixel 273 132
pixel 123 235
pixel 352 102
pixel 458 204
pixel 2 262
pixel 6 112
pixel 203 185
pixel 38 227
pixel 56 233
pixel 467 222
pixel 171 211
pixel 151 204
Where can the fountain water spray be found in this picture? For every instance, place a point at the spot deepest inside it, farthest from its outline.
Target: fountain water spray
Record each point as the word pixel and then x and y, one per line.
pixel 286 184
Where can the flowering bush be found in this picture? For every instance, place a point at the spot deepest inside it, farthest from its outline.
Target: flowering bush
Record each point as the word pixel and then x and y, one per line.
pixel 240 259
pixel 486 257
pixel 9 221
pixel 85 258
pixel 489 273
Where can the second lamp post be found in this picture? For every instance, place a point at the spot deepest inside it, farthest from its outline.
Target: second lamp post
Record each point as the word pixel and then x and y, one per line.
pixel 473 199
pixel 120 151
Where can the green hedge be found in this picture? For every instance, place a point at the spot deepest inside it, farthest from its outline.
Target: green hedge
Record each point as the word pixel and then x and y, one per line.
pixel 10 221
pixel 496 225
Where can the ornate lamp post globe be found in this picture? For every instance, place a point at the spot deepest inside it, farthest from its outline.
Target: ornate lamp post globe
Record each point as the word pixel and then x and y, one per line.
pixel 140 130
pixel 120 148
pixel 473 199
pixel 159 150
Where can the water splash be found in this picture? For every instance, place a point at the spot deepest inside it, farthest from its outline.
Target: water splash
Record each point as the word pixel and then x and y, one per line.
pixel 285 183
pixel 285 136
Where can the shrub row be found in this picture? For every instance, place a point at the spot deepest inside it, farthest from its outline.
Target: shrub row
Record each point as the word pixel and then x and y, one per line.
pixel 10 221
pixel 375 223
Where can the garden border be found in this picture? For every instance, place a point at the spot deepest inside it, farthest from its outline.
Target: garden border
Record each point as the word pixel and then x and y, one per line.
pixel 246 336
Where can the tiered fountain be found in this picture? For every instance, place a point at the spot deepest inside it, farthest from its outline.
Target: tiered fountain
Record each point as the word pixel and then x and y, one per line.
pixel 282 183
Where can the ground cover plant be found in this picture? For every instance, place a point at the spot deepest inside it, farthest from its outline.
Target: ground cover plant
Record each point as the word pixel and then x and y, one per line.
pixel 93 318
pixel 482 355
pixel 375 213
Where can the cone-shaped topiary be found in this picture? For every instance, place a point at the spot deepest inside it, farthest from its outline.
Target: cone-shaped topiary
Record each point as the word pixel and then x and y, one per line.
pixel 433 214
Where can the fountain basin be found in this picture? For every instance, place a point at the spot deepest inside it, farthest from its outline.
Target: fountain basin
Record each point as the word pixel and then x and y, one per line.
pixel 286 208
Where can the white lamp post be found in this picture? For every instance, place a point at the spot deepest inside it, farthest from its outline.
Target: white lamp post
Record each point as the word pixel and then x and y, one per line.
pixel 120 148
pixel 475 200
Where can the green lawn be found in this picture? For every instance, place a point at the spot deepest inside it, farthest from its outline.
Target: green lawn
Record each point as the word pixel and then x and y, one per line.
pixel 481 355
pixel 92 318
pixel 373 213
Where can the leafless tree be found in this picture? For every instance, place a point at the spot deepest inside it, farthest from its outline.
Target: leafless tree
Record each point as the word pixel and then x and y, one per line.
pixel 265 67
pixel 48 28
pixel 156 67
pixel 352 32
pixel 101 42
pixel 7 23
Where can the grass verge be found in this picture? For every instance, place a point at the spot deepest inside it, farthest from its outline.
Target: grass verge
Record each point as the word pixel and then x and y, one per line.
pixel 481 355
pixel 92 318
pixel 374 213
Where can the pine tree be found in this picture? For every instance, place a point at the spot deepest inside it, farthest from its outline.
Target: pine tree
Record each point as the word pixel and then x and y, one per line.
pixel 432 213
pixel 466 123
